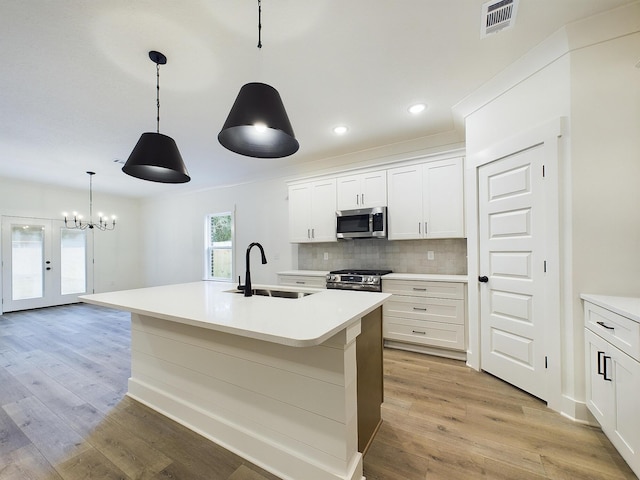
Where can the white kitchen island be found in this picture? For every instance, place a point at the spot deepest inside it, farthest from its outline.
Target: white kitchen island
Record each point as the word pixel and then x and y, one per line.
pixel 274 380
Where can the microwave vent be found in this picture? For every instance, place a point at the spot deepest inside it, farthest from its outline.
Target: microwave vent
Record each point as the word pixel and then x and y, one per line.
pixel 498 15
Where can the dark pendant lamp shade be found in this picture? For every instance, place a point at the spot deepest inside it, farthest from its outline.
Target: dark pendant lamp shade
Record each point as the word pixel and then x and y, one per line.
pixel 258 125
pixel 156 158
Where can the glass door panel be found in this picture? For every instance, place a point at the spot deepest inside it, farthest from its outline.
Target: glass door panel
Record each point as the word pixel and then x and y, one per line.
pixel 27 260
pixel 73 261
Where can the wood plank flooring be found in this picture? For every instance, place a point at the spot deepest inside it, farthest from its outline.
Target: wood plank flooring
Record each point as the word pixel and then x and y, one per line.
pixel 64 416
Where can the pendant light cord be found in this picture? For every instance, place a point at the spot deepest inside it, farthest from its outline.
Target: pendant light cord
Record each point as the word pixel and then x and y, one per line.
pixel 158 97
pixel 259 24
pixel 90 197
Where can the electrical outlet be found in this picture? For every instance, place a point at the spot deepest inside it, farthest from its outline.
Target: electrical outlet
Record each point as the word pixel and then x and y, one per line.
pixel 326 255
pixel 430 255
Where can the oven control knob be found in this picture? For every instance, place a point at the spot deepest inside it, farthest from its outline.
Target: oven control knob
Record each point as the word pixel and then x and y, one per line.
pixel 369 279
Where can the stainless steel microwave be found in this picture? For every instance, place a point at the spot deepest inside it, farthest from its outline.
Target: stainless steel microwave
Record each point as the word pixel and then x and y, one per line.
pixel 362 223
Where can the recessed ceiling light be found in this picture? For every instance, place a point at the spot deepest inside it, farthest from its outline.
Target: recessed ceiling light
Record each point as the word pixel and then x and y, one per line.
pixel 417 108
pixel 340 129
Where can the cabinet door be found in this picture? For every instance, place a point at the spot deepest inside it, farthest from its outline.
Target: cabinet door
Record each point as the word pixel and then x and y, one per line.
pixel 362 190
pixel 323 211
pixel 348 192
pixel 405 203
pixel 625 424
pixel 599 391
pixel 443 199
pixel 300 213
pixel 374 189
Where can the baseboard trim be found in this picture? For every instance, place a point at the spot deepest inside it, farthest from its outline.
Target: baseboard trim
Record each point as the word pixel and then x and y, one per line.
pixel 438 352
pixel 577 411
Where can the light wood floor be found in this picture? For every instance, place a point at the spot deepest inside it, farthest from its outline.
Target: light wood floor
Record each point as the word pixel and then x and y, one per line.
pixel 63 376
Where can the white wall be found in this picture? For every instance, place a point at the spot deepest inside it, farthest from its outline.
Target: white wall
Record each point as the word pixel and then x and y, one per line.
pixel 174 231
pixel 586 75
pixel 174 226
pixel 117 260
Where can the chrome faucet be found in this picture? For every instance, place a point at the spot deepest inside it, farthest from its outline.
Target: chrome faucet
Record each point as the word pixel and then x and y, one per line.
pixel 247 279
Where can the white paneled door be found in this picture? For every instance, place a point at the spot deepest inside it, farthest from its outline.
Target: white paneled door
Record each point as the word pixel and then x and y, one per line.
pixel 43 263
pixel 512 269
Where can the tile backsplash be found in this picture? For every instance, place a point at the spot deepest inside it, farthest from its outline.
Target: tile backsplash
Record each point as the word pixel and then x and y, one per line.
pixel 404 256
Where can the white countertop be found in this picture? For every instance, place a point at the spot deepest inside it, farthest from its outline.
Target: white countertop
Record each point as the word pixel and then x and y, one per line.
pixel 299 322
pixel 626 306
pixel 427 277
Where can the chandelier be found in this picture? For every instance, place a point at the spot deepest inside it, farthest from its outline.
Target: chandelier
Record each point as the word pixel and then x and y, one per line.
pixel 103 222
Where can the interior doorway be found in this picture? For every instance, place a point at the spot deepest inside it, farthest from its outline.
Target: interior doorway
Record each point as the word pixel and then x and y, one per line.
pixel 512 269
pixel 516 266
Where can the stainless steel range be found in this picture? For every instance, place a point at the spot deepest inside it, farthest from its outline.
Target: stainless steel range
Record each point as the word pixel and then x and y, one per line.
pixel 354 279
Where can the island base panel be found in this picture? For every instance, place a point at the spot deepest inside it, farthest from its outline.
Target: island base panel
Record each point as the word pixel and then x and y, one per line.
pixel 290 410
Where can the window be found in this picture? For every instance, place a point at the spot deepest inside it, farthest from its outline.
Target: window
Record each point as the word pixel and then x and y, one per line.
pixel 219 247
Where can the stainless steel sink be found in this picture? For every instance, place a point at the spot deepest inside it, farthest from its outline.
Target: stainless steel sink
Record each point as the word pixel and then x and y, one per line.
pixel 262 292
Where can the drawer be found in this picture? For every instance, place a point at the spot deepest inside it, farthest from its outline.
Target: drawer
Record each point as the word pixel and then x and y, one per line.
pixel 440 310
pixel 424 289
pixel 435 334
pixel 620 331
pixel 302 281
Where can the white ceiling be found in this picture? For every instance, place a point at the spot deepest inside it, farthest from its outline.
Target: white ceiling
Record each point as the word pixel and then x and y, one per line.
pixel 77 87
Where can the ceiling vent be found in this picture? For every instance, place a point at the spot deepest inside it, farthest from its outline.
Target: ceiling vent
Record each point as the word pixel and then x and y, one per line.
pixel 498 15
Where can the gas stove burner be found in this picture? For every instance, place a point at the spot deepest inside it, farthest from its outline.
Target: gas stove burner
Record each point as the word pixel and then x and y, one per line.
pixel 356 279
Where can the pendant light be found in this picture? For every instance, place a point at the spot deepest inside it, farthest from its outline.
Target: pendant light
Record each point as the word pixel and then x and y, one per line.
pixel 258 125
pixel 156 156
pixel 103 222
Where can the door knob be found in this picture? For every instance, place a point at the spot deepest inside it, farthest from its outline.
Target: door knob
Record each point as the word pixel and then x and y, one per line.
pixel 483 279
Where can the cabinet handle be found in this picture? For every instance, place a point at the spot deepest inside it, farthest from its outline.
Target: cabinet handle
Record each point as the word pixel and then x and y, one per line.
pixel 363 199
pixel 600 354
pixel 357 199
pixel 313 233
pixel 299 282
pixel 419 228
pixel 604 325
pixel 308 233
pixel 421 333
pixel 425 228
pixel 604 364
pixel 419 289
pixel 420 309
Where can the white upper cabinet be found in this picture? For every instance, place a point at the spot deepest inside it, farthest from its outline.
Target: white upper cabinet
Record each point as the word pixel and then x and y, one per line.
pixel 362 190
pixel 404 212
pixel 312 212
pixel 426 200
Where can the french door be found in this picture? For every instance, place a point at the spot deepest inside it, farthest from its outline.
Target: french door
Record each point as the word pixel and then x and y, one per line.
pixel 43 263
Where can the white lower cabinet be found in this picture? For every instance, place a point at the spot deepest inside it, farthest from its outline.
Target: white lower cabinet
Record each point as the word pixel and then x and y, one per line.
pixel 425 316
pixel 613 379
